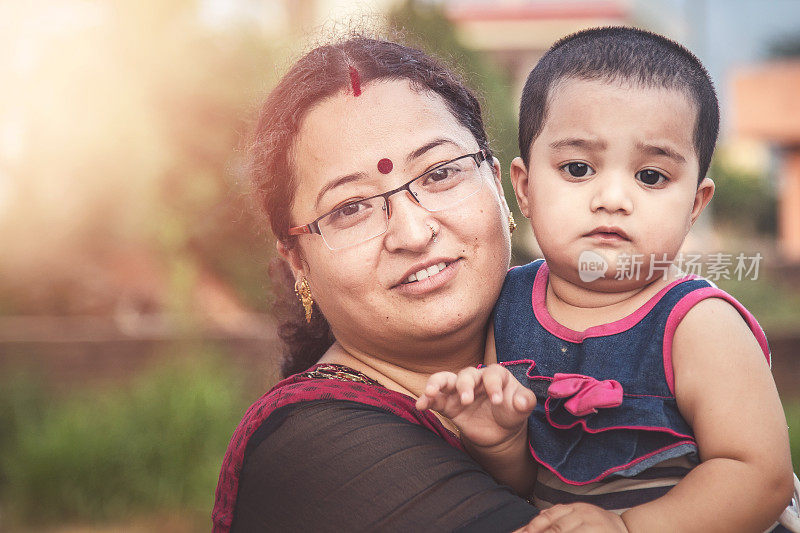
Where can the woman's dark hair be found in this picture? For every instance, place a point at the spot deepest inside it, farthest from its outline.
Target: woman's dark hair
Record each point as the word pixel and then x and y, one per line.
pixel 321 73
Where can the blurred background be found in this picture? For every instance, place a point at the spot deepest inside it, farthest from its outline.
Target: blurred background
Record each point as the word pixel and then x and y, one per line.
pixel 134 296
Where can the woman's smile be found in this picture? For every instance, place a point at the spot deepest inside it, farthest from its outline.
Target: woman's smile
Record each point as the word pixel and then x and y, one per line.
pixel 427 280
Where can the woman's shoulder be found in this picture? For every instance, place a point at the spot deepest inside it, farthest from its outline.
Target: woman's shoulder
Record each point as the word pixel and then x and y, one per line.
pixel 322 390
pixel 318 462
pixel 329 383
pixel 336 382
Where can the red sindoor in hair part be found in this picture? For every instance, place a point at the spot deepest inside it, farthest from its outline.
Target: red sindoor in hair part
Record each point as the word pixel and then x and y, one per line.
pixel 355 81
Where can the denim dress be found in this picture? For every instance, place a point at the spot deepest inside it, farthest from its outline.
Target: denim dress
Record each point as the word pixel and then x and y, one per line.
pixel 606 399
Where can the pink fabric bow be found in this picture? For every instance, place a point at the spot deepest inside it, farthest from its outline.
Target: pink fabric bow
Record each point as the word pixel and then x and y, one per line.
pixel 587 393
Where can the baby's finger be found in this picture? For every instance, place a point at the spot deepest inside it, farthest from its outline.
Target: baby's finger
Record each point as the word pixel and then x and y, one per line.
pixel 467 380
pixel 421 403
pixel 438 384
pixel 438 402
pixel 494 379
pixel 524 400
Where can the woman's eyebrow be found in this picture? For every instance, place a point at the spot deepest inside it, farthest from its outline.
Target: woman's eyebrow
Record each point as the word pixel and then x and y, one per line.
pixel 338 182
pixel 355 176
pixel 428 146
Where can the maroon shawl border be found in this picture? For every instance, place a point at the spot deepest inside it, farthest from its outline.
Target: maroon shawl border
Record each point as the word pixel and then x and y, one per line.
pixel 298 389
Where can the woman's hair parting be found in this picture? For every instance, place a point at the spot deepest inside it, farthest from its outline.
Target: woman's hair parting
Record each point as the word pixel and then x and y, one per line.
pixel 621 54
pixel 349 65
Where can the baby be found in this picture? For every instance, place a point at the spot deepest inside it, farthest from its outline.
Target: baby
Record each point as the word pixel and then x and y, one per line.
pixel 655 397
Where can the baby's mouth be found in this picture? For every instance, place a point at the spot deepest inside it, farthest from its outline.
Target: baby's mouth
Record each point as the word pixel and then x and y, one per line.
pixel 606 232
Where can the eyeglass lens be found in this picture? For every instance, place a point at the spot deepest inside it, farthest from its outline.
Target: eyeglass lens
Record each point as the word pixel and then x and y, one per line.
pixel 441 188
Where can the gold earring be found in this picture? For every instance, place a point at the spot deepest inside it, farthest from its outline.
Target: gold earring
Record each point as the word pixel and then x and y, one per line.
pixel 303 291
pixel 511 224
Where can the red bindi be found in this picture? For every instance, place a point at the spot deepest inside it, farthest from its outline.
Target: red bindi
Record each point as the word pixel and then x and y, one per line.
pixel 385 165
pixel 355 81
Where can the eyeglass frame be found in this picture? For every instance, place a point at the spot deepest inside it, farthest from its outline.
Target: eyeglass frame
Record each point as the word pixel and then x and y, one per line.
pixel 313 227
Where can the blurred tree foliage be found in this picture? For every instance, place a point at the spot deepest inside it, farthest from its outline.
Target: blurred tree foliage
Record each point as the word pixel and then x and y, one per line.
pixel 129 148
pixel 427 27
pixel 743 199
pixel 128 190
pixel 203 83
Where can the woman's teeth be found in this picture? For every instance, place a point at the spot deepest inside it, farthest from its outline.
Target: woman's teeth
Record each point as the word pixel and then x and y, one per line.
pixel 426 272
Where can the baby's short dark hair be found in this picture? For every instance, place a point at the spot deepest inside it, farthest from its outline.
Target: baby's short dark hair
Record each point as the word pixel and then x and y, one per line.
pixel 621 54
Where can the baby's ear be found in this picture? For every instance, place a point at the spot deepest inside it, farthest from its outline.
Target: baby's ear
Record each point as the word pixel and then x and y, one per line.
pixel 521 182
pixel 705 191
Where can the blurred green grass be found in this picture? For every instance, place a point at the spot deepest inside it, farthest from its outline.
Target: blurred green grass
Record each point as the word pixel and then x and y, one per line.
pixel 775 304
pixel 792 411
pixel 108 454
pixel 115 454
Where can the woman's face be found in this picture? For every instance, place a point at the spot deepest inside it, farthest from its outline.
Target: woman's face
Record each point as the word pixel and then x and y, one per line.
pixel 363 289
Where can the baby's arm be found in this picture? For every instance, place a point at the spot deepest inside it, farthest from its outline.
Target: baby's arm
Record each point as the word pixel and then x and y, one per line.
pixel 490 408
pixel 726 393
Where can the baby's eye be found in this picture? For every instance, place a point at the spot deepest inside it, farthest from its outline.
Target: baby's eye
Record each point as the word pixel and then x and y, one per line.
pixel 577 169
pixel 651 177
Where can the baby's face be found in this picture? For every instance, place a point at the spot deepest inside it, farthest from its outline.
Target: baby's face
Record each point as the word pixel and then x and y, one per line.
pixel 614 172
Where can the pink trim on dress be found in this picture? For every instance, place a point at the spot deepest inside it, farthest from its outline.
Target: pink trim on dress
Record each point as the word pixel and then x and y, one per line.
pixel 539 294
pixel 610 470
pixel 684 305
pixel 529 374
pixel 659 429
pixel 688 439
pixel 517 361
pixel 587 429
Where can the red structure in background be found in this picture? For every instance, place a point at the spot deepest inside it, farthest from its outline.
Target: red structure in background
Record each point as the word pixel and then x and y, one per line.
pixel 766 102
pixel 516 34
pixel 538 11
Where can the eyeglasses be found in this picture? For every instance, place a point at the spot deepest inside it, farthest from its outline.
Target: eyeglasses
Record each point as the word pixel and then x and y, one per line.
pixel 439 188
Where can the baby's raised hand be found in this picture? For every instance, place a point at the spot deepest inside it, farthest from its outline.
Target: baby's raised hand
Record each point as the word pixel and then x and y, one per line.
pixel 488 404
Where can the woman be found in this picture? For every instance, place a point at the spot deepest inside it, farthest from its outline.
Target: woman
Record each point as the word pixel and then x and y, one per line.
pixel 373 167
